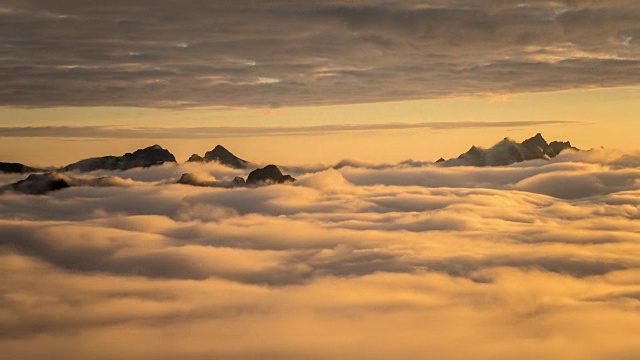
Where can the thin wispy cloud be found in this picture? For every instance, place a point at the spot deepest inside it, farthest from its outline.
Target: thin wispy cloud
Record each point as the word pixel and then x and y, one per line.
pixel 238 131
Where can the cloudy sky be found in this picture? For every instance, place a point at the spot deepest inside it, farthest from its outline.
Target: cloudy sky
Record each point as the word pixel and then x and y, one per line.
pixel 197 63
pixel 386 256
pixel 161 54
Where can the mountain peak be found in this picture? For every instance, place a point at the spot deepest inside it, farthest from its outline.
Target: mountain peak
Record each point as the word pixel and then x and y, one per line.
pixel 195 158
pixel 536 141
pixel 149 156
pixel 39 184
pixel 151 148
pixel 269 174
pixel 16 168
pixel 508 151
pixel 222 155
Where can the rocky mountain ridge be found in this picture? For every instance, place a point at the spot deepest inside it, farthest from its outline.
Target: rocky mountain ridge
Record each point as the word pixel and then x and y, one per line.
pixel 150 156
pixel 508 151
pixel 503 153
pixel 17 168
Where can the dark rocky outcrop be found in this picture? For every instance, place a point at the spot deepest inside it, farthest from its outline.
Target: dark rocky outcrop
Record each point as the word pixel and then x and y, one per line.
pixel 508 151
pixel 38 184
pixel 269 174
pixel 195 158
pixel 196 180
pixel 558 146
pixel 16 168
pixel 190 179
pixel 538 145
pixel 239 181
pixel 221 155
pixel 150 156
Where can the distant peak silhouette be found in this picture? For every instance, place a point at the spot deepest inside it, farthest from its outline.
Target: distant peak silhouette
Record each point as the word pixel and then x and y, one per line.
pixel 221 155
pixel 17 168
pixel 269 174
pixel 509 151
pixel 149 156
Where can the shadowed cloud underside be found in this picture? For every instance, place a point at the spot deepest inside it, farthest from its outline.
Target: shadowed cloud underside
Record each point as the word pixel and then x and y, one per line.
pixel 284 53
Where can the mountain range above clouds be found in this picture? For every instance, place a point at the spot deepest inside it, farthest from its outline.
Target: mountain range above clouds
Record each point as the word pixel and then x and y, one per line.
pixel 509 151
pixel 503 153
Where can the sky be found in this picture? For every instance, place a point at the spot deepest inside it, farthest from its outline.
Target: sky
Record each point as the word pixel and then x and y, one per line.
pixel 375 251
pixel 567 69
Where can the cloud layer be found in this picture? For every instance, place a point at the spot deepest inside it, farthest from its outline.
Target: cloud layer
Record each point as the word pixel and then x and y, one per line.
pixel 368 261
pixel 248 131
pixel 255 54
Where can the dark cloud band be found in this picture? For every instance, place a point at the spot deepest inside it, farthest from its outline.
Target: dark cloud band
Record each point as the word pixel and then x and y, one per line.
pixel 280 53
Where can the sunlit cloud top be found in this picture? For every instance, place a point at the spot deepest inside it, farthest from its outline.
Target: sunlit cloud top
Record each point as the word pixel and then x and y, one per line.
pixel 209 54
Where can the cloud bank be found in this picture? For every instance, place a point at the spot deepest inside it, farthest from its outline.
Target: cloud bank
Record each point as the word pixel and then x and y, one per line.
pixel 365 261
pixel 198 53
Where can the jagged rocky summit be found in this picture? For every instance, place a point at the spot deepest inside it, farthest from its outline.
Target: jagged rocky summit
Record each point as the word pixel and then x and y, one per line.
pixel 17 168
pixel 505 152
pixel 150 156
pixel 221 155
pixel 508 151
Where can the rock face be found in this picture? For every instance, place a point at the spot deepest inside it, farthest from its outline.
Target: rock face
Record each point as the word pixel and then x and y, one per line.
pixel 269 174
pixel 557 146
pixel 538 146
pixel 195 158
pixel 190 179
pixel 507 152
pixel 16 168
pixel 239 181
pixel 195 180
pixel 153 155
pixel 221 155
pixel 38 184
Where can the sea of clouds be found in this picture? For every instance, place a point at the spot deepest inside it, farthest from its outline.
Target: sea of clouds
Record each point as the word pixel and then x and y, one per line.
pixel 539 259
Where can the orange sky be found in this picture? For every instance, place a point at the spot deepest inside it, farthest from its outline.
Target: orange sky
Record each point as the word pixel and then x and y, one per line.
pixel 598 117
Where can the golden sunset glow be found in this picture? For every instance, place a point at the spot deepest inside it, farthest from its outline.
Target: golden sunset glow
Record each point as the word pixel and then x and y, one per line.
pixel 591 118
pixel 434 179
